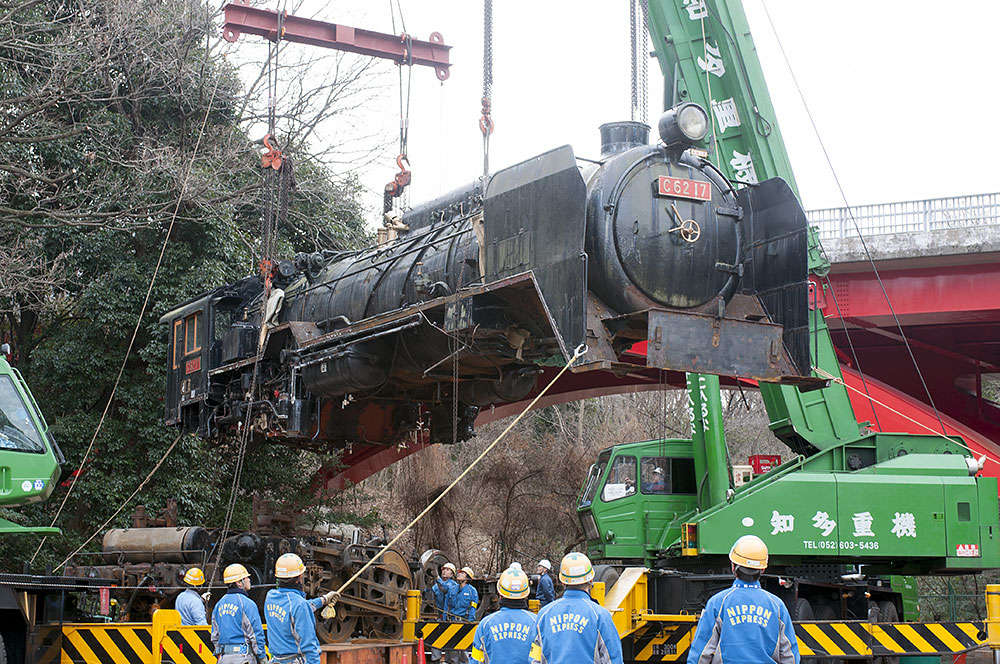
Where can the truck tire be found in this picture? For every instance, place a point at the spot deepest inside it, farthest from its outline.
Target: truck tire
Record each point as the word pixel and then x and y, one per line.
pixel 607 574
pixel 887 613
pixel 3 650
pixel 801 609
pixel 825 611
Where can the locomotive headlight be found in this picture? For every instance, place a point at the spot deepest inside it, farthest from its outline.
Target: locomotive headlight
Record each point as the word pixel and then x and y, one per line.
pixel 683 125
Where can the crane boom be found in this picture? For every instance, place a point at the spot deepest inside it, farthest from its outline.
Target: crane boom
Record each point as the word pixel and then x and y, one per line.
pixel 707 56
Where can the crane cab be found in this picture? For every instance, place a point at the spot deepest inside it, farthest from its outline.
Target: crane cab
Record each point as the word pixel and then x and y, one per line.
pixel 30 460
pixel 633 494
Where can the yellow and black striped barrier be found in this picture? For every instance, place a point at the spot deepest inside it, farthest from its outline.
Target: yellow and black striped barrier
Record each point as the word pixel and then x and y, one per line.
pixel 446 635
pixel 669 642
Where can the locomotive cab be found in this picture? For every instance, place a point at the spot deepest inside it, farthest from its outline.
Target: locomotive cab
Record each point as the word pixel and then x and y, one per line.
pixel 634 492
pixel 204 333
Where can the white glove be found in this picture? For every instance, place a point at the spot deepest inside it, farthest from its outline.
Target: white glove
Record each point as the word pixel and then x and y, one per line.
pixel 331 597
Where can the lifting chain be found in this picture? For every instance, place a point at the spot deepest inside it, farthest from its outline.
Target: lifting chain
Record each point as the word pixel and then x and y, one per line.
pixel 486 119
pixel 639 58
pixel 395 187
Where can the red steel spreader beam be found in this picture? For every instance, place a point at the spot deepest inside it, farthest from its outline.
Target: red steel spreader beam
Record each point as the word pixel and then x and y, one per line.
pixel 244 19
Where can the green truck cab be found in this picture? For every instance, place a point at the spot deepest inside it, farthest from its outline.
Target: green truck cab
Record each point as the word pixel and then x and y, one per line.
pixel 30 459
pixel 635 493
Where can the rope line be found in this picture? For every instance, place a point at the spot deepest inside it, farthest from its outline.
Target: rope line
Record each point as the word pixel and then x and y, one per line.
pixel 138 322
pixel 960 442
pixel 577 354
pixel 850 212
pixel 122 506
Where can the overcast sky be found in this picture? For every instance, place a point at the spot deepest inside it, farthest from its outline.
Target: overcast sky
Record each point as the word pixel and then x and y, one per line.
pixel 903 91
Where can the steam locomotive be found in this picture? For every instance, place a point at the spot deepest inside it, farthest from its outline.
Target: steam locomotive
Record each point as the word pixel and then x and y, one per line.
pixel 472 294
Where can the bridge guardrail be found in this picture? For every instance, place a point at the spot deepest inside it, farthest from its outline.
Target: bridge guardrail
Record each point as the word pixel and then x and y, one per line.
pixel 931 214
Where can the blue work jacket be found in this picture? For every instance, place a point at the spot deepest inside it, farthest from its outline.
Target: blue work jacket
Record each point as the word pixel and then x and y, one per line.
pixel 546 592
pixel 191 607
pixel 744 624
pixel 504 637
pixel 464 603
pixel 236 621
pixel 291 624
pixel 444 595
pixel 575 630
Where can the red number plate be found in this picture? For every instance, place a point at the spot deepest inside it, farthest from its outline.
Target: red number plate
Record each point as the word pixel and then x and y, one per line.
pixel 681 188
pixel 192 365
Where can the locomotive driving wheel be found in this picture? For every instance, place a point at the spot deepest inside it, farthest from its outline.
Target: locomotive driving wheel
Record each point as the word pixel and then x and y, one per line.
pixel 386 583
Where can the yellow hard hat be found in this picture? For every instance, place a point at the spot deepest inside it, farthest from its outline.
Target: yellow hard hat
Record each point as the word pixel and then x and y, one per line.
pixel 234 573
pixel 513 584
pixel 575 569
pixel 468 572
pixel 194 577
pixel 288 566
pixel 749 551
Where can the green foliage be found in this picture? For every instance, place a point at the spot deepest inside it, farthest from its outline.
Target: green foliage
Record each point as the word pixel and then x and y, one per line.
pixel 114 99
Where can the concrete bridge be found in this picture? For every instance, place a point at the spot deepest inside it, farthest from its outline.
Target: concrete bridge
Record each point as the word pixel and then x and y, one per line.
pixel 938 261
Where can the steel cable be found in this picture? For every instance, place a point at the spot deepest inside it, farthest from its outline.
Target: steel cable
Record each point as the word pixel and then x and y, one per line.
pixel 142 312
pixel 850 212
pixel 122 506
pixel 577 354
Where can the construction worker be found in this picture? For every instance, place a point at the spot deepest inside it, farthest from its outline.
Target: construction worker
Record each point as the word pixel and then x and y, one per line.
pixel 504 637
pixel 236 628
pixel 745 623
pixel 291 618
pixel 445 588
pixel 189 603
pixel 546 591
pixel 466 600
pixel 574 629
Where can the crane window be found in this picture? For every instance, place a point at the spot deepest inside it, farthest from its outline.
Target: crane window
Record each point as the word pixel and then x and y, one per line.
pixel 594 479
pixel 665 475
pixel 17 430
pixel 620 482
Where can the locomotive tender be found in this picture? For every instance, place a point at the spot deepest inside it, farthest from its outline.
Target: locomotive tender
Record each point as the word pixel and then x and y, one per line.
pixel 484 287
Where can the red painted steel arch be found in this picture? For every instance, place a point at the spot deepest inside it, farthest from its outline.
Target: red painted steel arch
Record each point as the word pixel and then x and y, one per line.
pixel 362 462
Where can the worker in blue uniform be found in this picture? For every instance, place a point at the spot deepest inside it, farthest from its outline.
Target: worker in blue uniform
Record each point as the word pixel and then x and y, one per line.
pixel 546 591
pixel 745 623
pixel 190 603
pixel 237 632
pixel 504 637
pixel 291 618
pixel 574 629
pixel 445 588
pixel 466 600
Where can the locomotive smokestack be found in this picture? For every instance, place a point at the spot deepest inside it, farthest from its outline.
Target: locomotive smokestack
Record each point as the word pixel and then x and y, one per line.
pixel 621 136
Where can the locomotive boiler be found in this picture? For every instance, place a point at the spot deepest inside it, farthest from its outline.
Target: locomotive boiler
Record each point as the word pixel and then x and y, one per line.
pixel 471 295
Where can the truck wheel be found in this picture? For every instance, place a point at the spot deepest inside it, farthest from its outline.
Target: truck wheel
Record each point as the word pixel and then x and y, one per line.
pixel 887 613
pixel 825 611
pixel 801 609
pixel 607 574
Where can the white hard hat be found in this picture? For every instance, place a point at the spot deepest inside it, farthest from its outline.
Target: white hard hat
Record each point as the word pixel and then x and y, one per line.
pixel 544 562
pixel 658 470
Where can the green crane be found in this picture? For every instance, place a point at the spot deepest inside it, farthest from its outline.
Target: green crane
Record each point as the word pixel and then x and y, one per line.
pixel 897 503
pixel 30 459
